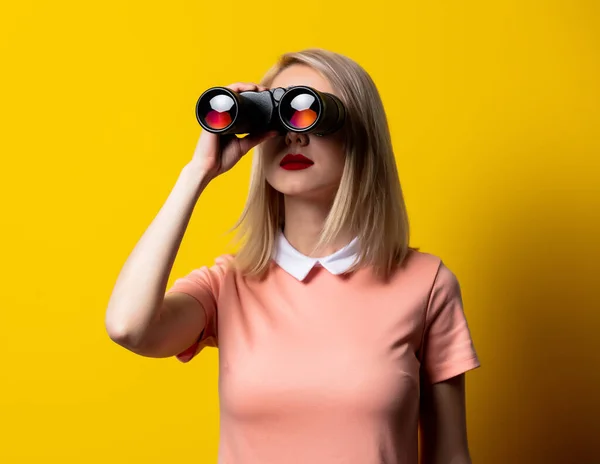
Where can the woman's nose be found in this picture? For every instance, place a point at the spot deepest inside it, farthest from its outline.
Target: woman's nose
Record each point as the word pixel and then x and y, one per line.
pixel 296 138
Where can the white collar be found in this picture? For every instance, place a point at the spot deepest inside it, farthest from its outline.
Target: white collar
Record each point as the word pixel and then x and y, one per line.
pixel 299 265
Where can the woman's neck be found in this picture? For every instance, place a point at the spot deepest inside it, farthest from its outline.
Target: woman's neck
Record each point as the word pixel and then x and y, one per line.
pixel 304 222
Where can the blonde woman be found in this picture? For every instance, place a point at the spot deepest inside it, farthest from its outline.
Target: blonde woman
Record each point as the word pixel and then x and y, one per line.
pixel 337 341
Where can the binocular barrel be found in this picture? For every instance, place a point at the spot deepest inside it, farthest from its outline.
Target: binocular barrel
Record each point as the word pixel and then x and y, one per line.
pixel 299 109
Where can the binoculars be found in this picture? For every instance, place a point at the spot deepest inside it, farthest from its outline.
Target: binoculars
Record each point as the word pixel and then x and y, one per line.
pixel 299 109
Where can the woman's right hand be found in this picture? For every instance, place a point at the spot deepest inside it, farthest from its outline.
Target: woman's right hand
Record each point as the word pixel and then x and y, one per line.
pixel 216 154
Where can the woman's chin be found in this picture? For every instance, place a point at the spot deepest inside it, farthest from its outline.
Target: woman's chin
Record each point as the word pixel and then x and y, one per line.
pixel 306 190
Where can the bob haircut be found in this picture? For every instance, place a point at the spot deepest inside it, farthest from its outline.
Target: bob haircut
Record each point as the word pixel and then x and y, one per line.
pixel 369 202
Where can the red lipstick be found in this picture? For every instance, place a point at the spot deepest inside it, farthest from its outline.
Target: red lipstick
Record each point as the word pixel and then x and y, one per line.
pixel 294 162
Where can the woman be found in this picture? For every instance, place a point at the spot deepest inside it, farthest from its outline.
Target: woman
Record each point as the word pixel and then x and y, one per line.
pixel 336 339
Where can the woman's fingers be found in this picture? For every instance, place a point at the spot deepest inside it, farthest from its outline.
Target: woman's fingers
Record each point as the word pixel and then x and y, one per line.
pixel 243 87
pixel 251 140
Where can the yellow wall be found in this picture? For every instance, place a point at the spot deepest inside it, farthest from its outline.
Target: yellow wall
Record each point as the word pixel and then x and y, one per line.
pixel 495 113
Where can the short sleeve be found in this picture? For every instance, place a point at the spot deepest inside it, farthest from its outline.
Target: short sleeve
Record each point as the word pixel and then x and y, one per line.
pixel 447 344
pixel 204 285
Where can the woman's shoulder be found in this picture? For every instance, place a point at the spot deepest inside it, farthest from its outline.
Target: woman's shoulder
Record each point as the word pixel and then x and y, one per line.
pixel 227 266
pixel 219 268
pixel 226 260
pixel 429 267
pixel 223 264
pixel 418 259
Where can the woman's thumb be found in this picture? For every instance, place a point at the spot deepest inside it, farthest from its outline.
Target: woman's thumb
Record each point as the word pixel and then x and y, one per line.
pixel 251 140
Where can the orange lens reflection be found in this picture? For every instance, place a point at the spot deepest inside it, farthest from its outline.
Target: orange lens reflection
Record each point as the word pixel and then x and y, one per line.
pixel 217 120
pixel 303 119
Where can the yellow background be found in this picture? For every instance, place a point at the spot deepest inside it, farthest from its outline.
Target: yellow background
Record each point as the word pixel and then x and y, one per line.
pixel 495 113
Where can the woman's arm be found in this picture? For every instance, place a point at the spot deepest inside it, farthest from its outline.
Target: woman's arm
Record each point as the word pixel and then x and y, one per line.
pixel 443 423
pixel 138 316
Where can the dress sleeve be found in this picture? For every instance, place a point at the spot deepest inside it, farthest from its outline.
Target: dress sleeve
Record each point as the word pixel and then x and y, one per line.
pixel 447 344
pixel 204 285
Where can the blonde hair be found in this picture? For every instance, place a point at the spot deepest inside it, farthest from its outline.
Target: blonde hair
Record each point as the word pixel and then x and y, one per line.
pixel 369 202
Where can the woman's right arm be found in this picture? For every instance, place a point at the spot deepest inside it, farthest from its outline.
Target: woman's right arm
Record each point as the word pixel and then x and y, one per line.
pixel 139 316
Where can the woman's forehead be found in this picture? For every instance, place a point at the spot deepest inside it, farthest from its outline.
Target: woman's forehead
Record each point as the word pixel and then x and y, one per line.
pixel 297 74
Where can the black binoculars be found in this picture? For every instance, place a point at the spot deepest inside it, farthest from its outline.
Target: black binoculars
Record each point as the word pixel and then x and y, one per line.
pixel 299 109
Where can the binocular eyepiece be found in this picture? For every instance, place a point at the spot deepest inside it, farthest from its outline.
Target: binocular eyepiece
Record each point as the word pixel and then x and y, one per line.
pixel 299 109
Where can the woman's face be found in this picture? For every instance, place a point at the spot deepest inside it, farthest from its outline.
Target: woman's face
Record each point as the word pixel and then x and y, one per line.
pixel 320 180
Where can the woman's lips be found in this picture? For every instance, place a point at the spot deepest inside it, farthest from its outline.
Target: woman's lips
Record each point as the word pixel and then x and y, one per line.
pixel 295 162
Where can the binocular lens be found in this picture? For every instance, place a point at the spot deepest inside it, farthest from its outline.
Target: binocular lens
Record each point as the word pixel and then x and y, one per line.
pixel 217 111
pixel 302 111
